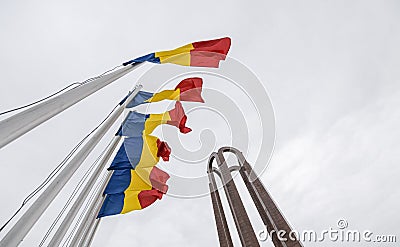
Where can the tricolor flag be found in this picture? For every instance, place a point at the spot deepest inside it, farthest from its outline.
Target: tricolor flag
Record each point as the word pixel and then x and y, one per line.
pixel 188 89
pixel 140 151
pixel 136 182
pixel 201 54
pixel 138 124
pixel 130 190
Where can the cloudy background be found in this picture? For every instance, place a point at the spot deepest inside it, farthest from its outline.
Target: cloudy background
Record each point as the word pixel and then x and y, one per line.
pixel 330 68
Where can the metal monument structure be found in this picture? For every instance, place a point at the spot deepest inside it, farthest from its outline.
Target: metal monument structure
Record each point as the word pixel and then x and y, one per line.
pixel 269 212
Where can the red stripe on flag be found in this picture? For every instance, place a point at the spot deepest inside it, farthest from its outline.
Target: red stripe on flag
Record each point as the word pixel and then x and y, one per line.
pixel 209 53
pixel 164 150
pixel 220 46
pixel 190 89
pixel 148 197
pixel 178 118
pixel 158 179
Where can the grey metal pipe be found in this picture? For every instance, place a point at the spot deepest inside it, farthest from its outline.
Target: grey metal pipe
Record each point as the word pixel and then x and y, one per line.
pixel 91 214
pixel 92 233
pixel 69 218
pixel 21 228
pixel 92 224
pixel 21 123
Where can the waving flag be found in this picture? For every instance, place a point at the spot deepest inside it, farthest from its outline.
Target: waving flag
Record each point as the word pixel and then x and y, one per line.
pixel 130 190
pixel 140 151
pixel 188 89
pixel 201 54
pixel 128 201
pixel 137 179
pixel 136 182
pixel 138 124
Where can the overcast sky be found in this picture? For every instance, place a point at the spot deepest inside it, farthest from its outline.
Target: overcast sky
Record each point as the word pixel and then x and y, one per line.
pixel 331 69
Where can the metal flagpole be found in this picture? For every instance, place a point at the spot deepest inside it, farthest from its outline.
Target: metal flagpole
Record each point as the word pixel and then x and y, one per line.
pixel 92 225
pixel 17 233
pixel 21 123
pixel 92 233
pixel 91 214
pixel 66 223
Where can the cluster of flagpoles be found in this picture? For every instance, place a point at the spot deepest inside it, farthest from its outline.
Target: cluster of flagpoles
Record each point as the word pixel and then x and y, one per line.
pixel 21 123
pixel 66 223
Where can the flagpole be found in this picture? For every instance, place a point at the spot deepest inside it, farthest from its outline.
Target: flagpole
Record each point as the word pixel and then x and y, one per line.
pixel 21 123
pixel 92 233
pixel 91 214
pixel 66 223
pixel 93 224
pixel 21 228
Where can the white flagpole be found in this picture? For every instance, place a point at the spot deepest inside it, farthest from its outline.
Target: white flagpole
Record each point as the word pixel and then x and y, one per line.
pixel 92 225
pixel 91 214
pixel 90 236
pixel 21 123
pixel 17 233
pixel 69 218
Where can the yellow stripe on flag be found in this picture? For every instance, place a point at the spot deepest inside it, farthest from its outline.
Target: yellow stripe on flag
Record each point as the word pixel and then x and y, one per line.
pixel 149 152
pixel 154 120
pixel 179 55
pixel 131 201
pixel 166 94
pixel 144 174
pixel 138 181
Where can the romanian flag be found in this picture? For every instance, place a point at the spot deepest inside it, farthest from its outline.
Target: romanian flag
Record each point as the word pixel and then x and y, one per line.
pixel 136 182
pixel 201 54
pixel 138 124
pixel 187 90
pixel 130 190
pixel 140 151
